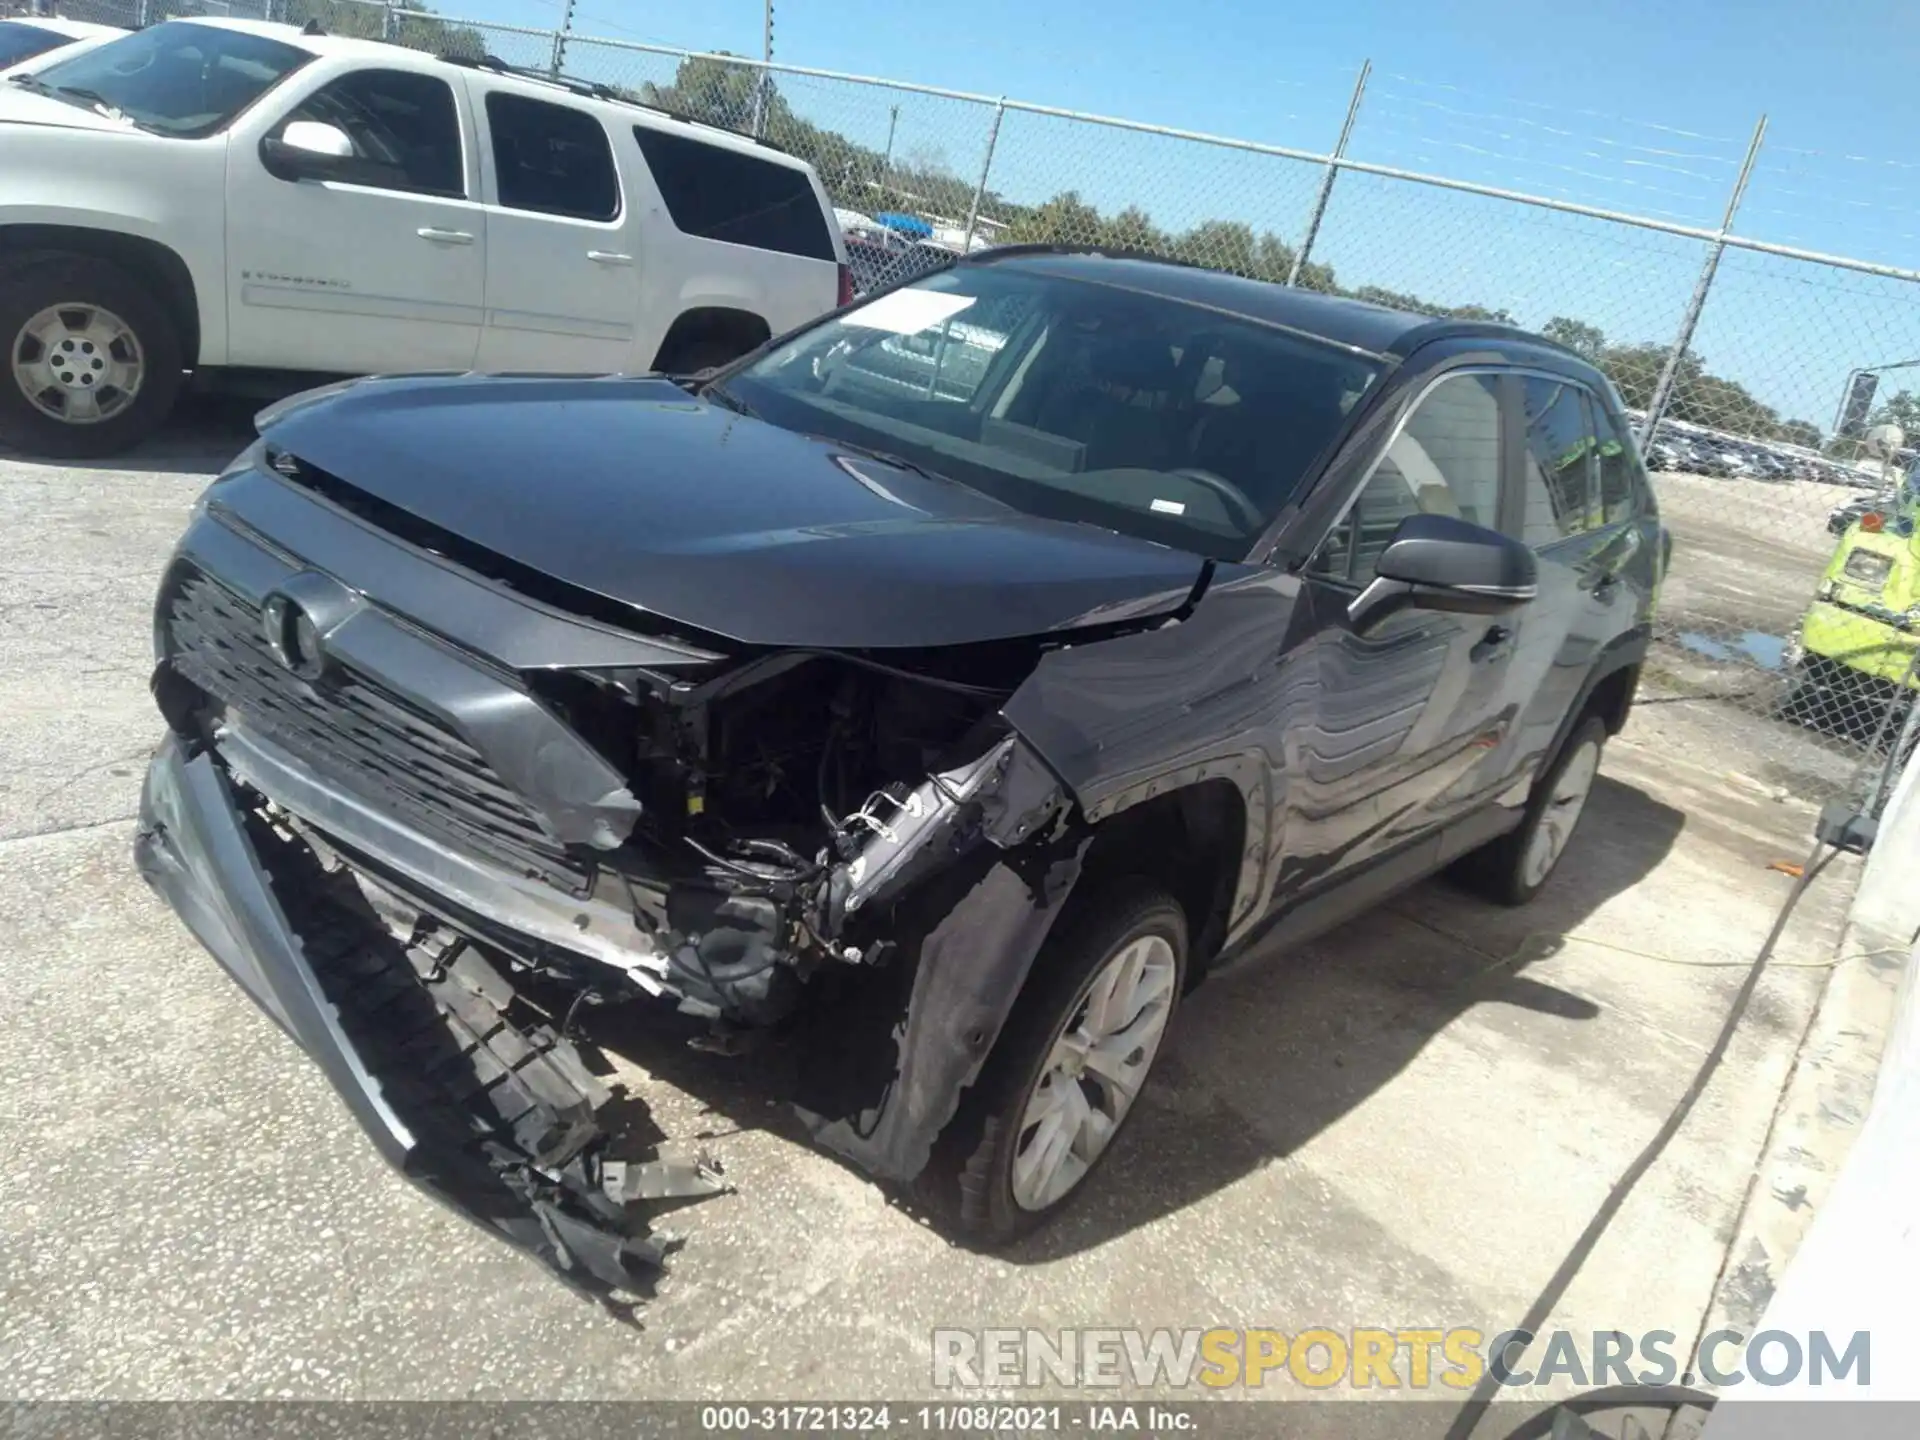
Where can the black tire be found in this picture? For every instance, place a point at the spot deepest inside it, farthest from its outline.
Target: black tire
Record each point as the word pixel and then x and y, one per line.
pixel 970 1177
pixel 1498 870
pixel 86 282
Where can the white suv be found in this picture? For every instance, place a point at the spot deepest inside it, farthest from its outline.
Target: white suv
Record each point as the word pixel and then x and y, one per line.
pixel 29 41
pixel 252 202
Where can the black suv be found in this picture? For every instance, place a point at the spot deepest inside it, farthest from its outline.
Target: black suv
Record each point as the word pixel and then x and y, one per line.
pixel 939 693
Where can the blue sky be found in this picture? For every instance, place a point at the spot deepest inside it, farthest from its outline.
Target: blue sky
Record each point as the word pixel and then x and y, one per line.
pixel 1626 104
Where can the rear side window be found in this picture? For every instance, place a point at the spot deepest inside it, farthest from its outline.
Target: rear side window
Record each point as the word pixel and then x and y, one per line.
pixel 552 159
pixel 1620 484
pixel 404 127
pixel 720 194
pixel 1558 479
pixel 1444 461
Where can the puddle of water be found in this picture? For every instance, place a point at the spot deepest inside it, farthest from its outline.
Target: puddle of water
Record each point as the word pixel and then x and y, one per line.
pixel 1769 652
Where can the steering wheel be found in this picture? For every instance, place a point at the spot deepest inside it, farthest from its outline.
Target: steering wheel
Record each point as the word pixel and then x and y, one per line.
pixel 1231 495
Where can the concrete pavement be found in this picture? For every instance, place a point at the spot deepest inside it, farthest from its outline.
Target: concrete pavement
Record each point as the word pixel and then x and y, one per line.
pixel 1408 1123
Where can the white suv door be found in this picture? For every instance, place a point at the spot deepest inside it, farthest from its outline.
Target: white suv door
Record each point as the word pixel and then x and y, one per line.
pixel 563 268
pixel 373 262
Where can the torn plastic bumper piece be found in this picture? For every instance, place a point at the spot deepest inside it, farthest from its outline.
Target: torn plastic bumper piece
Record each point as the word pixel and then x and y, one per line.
pixel 1000 823
pixel 968 970
pixel 494 1120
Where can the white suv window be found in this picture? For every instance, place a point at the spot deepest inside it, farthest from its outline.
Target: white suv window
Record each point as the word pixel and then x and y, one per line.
pixel 404 126
pixel 552 159
pixel 721 194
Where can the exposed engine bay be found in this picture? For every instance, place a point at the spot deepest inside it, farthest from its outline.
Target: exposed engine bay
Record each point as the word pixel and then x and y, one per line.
pixel 783 798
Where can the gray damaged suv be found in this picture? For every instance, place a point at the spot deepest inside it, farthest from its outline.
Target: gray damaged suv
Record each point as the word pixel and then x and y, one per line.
pixel 942 692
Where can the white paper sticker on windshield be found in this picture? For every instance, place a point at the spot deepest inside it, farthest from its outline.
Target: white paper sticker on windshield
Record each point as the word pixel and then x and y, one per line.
pixel 908 312
pixel 1169 507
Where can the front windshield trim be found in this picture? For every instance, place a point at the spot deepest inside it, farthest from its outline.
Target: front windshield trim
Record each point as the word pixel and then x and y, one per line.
pixel 81 68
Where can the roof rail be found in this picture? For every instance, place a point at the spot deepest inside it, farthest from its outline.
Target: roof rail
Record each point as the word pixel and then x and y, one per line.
pixel 595 90
pixel 1018 248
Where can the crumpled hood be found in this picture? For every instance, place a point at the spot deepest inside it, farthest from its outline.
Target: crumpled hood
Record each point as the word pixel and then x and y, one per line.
pixel 634 490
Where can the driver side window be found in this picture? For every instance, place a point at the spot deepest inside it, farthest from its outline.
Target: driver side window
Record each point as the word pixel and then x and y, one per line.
pixel 1444 461
pixel 404 126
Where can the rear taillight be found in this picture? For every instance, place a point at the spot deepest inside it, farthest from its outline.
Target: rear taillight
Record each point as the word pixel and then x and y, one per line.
pixel 846 285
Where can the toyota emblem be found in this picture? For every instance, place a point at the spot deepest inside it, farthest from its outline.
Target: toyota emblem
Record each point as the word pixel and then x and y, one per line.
pixel 291 636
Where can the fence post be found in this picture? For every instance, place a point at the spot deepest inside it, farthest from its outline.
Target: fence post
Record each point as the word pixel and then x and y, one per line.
pixel 764 82
pixel 1690 320
pixel 560 41
pixel 1326 181
pixel 986 165
pixel 389 21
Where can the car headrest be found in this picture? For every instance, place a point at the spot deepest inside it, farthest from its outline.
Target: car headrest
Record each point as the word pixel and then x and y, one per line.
pixel 1142 362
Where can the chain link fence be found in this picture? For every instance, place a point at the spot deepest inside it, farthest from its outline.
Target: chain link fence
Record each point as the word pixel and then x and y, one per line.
pixel 1765 378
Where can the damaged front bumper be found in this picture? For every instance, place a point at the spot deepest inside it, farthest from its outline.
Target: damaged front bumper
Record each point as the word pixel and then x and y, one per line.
pixel 493 1116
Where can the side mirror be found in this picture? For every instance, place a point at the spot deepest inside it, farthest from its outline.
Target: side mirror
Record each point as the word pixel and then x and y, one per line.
pixel 306 149
pixel 1437 562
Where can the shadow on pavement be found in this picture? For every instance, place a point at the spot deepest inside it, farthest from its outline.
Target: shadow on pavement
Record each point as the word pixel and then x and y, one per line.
pixel 204 433
pixel 1266 1057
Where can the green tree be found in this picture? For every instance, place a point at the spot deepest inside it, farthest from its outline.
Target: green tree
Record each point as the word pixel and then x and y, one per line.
pixel 1635 370
pixel 1065 219
pixel 1801 432
pixel 1132 230
pixel 1228 245
pixel 710 90
pixel 1901 408
pixel 1576 335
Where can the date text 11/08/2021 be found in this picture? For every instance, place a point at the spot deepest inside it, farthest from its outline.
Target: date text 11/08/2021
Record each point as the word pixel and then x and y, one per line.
pixel 964 1419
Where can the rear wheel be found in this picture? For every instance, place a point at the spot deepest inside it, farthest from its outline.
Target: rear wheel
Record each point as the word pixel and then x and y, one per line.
pixel 93 361
pixel 1072 1060
pixel 1513 868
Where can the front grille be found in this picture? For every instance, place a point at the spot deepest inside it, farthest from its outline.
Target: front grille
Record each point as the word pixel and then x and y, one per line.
pixel 357 734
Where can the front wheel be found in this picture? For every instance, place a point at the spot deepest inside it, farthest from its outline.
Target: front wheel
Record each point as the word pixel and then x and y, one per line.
pixel 93 360
pixel 1064 1076
pixel 1512 869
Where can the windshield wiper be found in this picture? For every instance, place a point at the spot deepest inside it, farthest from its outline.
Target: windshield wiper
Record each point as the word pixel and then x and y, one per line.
pixel 726 399
pixel 885 457
pixel 91 97
pixel 76 94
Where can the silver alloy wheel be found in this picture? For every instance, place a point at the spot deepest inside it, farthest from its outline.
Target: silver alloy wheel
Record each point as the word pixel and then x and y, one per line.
pixel 1096 1067
pixel 1562 812
pixel 78 363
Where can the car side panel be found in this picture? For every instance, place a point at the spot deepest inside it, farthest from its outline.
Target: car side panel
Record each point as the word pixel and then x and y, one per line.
pixel 129 183
pixel 1245 665
pixel 1409 736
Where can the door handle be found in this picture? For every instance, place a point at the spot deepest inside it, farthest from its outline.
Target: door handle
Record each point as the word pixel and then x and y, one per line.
pixel 609 257
pixel 445 237
pixel 1496 642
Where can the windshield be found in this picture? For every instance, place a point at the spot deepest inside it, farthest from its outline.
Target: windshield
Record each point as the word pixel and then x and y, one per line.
pixel 176 79
pixel 23 42
pixel 1071 399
